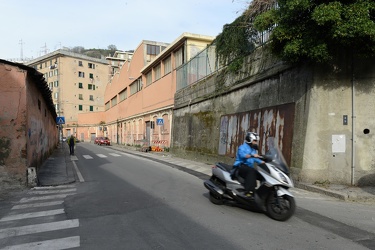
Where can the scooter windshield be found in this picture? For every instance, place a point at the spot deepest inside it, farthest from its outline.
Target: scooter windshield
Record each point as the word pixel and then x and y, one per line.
pixel 275 156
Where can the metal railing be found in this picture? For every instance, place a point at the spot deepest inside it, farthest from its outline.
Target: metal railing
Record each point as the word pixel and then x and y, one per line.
pixel 205 63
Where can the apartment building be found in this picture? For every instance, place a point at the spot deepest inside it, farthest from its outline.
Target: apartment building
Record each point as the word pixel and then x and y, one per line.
pixel 139 99
pixel 77 83
pixel 118 59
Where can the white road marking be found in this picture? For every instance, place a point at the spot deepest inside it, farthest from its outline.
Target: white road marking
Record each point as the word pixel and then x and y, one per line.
pixel 38 228
pixel 41 204
pixel 87 157
pixel 101 155
pixel 63 243
pixel 73 158
pixel 130 155
pixel 32 215
pixel 80 177
pixel 113 154
pixel 53 191
pixel 46 197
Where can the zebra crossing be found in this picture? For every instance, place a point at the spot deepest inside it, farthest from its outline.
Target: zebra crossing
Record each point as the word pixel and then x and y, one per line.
pixel 31 220
pixel 89 157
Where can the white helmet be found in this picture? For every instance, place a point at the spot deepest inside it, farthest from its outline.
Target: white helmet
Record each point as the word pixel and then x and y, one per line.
pixel 250 137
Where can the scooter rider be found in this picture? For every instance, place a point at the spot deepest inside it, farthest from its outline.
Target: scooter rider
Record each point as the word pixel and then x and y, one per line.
pixel 247 154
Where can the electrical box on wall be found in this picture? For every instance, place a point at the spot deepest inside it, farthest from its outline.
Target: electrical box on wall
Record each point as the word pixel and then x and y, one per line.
pixel 338 143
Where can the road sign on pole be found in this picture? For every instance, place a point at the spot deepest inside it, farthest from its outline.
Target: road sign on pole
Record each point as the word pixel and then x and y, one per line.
pixel 60 120
pixel 160 121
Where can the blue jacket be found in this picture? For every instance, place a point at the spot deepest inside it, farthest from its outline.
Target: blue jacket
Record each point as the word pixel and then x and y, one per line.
pixel 244 150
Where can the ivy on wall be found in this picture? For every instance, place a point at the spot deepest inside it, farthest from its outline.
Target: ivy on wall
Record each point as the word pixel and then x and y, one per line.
pixel 238 38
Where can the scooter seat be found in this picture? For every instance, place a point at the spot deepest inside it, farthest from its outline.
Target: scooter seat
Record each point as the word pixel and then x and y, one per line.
pixel 224 166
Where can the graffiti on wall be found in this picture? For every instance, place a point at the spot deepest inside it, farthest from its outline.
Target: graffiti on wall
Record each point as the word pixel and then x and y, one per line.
pixel 275 122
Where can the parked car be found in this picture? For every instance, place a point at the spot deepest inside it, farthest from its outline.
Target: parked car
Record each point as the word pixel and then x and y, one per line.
pixel 104 141
pixel 97 139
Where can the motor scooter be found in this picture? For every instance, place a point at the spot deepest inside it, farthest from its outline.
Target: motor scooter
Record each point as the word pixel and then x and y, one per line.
pixel 271 195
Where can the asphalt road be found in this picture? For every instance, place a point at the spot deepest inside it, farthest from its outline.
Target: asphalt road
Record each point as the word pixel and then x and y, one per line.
pixel 128 202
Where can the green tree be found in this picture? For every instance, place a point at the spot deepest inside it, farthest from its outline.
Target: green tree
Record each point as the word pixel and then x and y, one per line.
pixel 316 30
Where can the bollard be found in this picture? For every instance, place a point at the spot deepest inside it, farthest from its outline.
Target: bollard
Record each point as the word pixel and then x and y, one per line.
pixel 31 177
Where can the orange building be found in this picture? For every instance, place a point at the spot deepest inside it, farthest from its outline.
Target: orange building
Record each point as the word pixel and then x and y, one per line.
pixel 139 99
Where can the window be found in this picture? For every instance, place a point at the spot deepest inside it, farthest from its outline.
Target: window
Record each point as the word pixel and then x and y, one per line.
pixel 123 94
pixel 80 85
pixel 50 74
pixel 157 71
pixel 153 49
pixel 149 78
pixel 80 97
pixel 167 65
pixel 114 101
pixel 136 86
pixel 80 107
pixel 90 86
pixel 107 106
pixel 56 84
pixel 179 57
pixel 91 108
pixel 50 85
pixel 81 74
pixel 91 76
pixel 56 72
pixel 91 98
pixel 56 95
pixel 80 63
pixel 57 107
pixel 91 66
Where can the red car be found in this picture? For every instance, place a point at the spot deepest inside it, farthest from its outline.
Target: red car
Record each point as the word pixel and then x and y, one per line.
pixel 97 139
pixel 104 141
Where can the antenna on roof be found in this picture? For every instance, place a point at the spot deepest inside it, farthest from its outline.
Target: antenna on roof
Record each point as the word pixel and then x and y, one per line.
pixel 21 43
pixel 45 50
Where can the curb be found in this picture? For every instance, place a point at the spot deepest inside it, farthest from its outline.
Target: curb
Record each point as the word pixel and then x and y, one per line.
pixel 314 189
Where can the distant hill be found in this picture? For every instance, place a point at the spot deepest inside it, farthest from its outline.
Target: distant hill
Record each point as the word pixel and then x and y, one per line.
pixel 96 53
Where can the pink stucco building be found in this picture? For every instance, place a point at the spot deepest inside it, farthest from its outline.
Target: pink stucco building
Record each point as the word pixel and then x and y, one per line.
pixel 139 99
pixel 28 132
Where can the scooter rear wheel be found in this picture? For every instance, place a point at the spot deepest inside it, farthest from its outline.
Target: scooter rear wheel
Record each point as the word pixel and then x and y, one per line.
pixel 280 208
pixel 216 199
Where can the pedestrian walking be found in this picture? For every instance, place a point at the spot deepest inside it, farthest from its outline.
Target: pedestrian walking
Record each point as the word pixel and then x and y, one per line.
pixel 71 143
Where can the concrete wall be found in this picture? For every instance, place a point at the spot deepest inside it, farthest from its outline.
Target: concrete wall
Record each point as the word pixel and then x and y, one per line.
pixel 321 145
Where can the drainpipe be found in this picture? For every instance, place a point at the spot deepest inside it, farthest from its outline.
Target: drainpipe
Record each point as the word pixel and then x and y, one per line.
pixel 353 122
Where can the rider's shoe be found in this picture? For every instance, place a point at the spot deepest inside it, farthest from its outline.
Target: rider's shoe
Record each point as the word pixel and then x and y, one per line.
pixel 249 194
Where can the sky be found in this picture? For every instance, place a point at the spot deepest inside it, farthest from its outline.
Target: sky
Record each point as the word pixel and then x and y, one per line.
pixel 31 28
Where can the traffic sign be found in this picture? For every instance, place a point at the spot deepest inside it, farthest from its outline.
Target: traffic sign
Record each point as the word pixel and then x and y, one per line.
pixel 60 120
pixel 160 121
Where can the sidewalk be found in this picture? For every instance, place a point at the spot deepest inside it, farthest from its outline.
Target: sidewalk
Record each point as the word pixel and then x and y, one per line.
pixel 58 170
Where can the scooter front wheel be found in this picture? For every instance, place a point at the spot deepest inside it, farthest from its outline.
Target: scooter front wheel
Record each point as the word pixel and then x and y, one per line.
pixel 216 199
pixel 280 208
